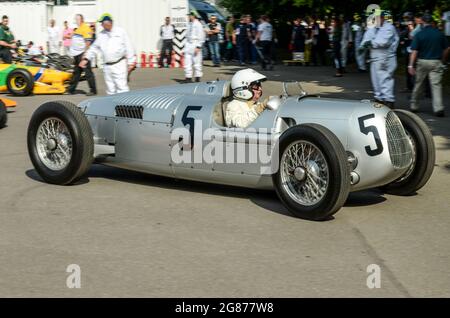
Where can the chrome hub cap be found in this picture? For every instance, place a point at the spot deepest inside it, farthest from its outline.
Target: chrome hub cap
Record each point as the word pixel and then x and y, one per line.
pixel 304 173
pixel 51 144
pixel 54 144
pixel 300 174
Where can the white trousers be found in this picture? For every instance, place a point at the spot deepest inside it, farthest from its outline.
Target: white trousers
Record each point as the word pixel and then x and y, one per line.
pixel 53 47
pixel 360 56
pixel 193 63
pixel 116 77
pixel 66 50
pixel 382 75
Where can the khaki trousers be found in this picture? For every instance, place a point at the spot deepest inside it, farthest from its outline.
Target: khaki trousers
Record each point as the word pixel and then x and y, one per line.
pixel 434 69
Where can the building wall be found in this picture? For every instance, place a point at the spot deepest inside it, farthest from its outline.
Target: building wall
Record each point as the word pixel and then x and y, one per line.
pixel 88 9
pixel 141 18
pixel 28 20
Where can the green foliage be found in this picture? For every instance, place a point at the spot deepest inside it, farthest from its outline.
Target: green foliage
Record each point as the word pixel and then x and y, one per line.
pixel 287 9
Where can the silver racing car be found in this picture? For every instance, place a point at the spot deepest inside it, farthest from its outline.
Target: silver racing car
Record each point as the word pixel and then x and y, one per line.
pixel 313 151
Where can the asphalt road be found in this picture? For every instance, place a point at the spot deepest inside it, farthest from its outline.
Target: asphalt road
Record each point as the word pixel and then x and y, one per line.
pixel 140 235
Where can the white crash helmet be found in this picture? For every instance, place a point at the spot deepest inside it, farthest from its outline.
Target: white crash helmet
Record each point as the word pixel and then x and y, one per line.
pixel 242 80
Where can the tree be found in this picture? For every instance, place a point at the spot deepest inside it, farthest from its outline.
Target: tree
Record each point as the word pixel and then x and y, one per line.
pixel 285 10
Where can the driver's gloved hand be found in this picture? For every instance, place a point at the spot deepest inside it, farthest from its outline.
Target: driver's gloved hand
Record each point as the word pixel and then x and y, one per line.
pixel 261 106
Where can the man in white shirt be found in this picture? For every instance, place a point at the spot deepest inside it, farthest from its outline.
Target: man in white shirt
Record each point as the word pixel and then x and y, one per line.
pixel 118 55
pixel 245 108
pixel 193 56
pixel 33 50
pixel 167 34
pixel 53 38
pixel 264 37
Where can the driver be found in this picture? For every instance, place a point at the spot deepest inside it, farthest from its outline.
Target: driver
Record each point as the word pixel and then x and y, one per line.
pixel 245 107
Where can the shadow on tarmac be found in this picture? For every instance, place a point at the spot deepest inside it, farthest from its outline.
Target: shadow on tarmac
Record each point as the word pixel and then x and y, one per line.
pixel 267 200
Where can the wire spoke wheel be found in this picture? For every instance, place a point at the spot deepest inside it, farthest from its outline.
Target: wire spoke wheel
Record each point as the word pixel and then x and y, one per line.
pixel 313 179
pixel 60 143
pixel 304 173
pixel 54 144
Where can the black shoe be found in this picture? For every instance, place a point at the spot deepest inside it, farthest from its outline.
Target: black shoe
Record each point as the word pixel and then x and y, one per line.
pixel 197 79
pixel 188 80
pixel 378 101
pixel 91 94
pixel 415 111
pixel 440 113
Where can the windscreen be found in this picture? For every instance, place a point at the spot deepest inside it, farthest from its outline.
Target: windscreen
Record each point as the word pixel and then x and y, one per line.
pixel 293 89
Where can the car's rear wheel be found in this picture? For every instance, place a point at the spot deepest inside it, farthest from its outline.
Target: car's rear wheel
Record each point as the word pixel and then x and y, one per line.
pixel 424 156
pixel 60 143
pixel 3 114
pixel 54 55
pixel 20 82
pixel 313 178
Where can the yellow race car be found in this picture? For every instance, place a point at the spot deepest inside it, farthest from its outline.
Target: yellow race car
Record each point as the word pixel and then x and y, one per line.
pixel 22 80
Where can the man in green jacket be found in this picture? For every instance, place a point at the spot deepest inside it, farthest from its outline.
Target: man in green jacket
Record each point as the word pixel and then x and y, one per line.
pixel 7 41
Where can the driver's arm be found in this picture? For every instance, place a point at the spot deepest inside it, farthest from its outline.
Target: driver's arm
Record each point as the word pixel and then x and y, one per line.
pixel 239 115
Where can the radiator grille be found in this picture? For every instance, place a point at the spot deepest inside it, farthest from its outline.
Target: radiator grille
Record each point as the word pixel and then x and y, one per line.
pixel 135 112
pixel 398 141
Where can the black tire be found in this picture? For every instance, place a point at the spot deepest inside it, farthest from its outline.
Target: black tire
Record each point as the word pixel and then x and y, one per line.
pixel 22 76
pixel 54 56
pixel 67 59
pixel 339 172
pixel 66 65
pixel 3 115
pixel 55 66
pixel 82 142
pixel 425 158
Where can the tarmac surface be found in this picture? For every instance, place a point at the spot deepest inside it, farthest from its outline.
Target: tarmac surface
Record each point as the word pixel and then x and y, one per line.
pixel 138 235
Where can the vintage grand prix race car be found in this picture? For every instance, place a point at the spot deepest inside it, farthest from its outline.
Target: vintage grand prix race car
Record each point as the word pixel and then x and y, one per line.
pixel 319 149
pixel 4 105
pixel 22 80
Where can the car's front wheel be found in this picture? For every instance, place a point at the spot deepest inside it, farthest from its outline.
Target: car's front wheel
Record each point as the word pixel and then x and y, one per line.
pixel 313 178
pixel 20 82
pixel 424 156
pixel 60 143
